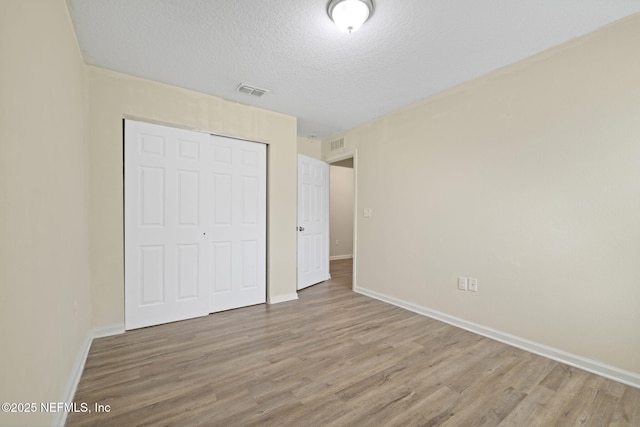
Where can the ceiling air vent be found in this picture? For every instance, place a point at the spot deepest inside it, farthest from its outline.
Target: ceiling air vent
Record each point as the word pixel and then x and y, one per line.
pixel 337 144
pixel 251 90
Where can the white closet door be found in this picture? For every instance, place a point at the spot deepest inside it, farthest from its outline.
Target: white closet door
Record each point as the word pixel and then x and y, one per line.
pixel 238 244
pixel 195 224
pixel 166 272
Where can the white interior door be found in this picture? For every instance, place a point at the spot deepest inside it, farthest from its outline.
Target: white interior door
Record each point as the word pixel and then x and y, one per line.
pixel 166 274
pixel 195 224
pixel 313 221
pixel 238 228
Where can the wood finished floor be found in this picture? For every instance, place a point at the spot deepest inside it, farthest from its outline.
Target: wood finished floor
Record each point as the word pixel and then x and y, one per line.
pixel 338 358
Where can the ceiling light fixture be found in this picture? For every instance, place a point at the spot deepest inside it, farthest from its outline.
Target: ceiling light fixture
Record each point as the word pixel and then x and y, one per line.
pixel 349 15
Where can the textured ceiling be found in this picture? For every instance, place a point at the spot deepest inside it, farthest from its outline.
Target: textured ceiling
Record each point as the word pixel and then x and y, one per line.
pixel 332 81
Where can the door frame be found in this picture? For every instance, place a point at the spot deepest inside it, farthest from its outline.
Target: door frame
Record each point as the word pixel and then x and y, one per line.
pixel 353 153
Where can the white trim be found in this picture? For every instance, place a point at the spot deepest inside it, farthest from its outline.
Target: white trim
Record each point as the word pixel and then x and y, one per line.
pixel 78 367
pixel 341 156
pixel 283 298
pixel 107 331
pixel 337 257
pixel 354 267
pixel 593 366
pixel 72 384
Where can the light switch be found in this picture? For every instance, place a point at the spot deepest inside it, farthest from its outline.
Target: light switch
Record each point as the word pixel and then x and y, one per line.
pixel 367 212
pixel 462 283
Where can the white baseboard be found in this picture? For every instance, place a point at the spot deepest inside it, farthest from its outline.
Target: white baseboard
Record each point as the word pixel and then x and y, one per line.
pixel 593 366
pixel 336 257
pixel 72 384
pixel 107 331
pixel 283 298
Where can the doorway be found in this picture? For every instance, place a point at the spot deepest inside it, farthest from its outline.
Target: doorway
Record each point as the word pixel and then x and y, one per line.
pixel 343 210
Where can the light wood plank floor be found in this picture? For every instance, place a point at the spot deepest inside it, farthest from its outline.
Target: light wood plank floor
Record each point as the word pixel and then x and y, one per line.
pixel 338 358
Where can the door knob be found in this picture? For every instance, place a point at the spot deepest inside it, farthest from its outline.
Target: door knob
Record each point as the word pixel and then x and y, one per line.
pixel 300 228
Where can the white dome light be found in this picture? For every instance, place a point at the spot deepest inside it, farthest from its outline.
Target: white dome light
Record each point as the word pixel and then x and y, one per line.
pixel 349 15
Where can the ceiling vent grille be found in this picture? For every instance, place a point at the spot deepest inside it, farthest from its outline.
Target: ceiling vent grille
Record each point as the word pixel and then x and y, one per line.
pixel 251 90
pixel 337 144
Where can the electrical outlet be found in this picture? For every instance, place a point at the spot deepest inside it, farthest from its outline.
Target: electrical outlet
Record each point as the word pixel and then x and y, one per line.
pixel 462 283
pixel 473 284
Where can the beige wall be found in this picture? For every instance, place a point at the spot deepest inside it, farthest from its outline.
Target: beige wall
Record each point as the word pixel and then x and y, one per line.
pixel 310 147
pixel 114 96
pixel 527 179
pixel 44 239
pixel 341 203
